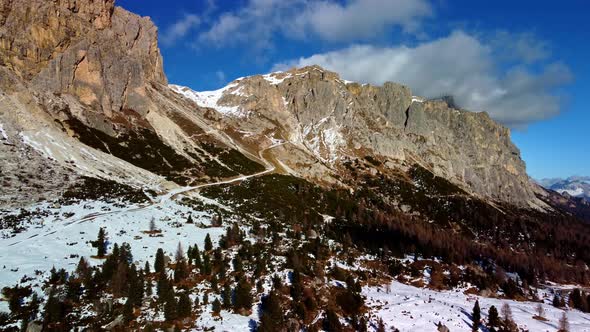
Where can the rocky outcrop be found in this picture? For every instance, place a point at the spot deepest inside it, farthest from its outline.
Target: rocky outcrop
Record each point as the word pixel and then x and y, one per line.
pixel 99 53
pixel 330 121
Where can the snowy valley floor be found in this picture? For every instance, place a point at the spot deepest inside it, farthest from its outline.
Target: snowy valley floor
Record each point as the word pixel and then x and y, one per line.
pixel 60 239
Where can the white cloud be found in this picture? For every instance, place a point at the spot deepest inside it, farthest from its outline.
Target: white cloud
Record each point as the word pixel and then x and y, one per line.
pixel 362 18
pixel 523 46
pixel 260 21
pixel 180 29
pixel 460 65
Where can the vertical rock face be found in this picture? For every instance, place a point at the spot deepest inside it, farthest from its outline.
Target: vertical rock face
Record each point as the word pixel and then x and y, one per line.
pixel 102 54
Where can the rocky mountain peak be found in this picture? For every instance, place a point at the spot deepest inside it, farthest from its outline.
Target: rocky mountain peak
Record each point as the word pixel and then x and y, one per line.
pixel 332 120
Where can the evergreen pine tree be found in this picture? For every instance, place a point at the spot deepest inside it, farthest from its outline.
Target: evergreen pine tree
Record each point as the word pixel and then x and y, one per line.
pixel 206 265
pixel 125 255
pixel 243 296
pixel 159 264
pixel 180 271
pixel 226 296
pixel 54 312
pixel 189 255
pixel 272 314
pixel 119 281
pixel 146 268
pixel 216 307
pixel 190 219
pixel 163 288
pixel 493 318
pixel 205 299
pixel 476 316
pixel 171 309
pixel 208 243
pixel 184 306
pixel 100 243
pixel 73 289
pixel 136 286
pixel 83 269
pixel 111 263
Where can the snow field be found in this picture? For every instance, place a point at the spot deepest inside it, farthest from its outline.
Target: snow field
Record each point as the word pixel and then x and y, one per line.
pixel 410 308
pixel 60 242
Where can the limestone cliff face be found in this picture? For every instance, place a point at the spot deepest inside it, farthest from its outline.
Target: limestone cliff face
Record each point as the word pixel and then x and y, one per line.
pixel 102 54
pixel 326 121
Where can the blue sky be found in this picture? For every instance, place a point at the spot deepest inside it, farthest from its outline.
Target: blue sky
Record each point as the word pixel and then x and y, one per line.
pixel 524 62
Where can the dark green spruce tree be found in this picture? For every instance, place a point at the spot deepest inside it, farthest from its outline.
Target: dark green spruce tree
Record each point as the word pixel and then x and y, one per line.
pixel 184 306
pixel 493 319
pixel 208 243
pixel 159 264
pixel 101 243
pixel 476 317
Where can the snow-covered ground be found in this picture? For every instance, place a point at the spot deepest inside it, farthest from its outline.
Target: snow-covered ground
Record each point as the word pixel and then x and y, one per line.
pixel 60 239
pixel 410 308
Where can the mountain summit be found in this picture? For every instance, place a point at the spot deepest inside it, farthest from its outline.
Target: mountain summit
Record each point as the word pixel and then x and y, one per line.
pixel 576 186
pixel 327 121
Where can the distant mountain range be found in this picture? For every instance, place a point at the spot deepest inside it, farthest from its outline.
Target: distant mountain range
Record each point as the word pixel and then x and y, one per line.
pixel 576 186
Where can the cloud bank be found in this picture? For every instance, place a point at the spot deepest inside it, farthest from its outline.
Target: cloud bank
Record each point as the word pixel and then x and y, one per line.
pixel 260 21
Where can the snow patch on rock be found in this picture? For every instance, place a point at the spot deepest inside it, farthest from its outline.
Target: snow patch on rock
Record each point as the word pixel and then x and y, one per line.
pixel 211 99
pixel 3 134
pixel 572 192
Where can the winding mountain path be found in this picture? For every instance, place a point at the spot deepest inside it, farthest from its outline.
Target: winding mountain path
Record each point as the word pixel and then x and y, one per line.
pixel 171 195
